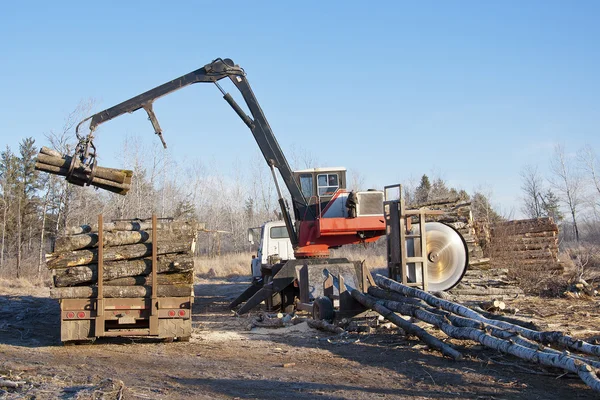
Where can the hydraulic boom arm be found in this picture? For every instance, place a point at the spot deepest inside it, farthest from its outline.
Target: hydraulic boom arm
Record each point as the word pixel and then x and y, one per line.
pixel 212 73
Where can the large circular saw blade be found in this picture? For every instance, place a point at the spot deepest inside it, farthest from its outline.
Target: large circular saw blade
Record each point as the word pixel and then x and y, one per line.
pixel 447 256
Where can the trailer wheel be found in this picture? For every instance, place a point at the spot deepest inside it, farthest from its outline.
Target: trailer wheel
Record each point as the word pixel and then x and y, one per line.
pixel 322 309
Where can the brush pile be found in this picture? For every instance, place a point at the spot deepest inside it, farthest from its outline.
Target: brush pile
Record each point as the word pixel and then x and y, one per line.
pixel 127 260
pixel 554 349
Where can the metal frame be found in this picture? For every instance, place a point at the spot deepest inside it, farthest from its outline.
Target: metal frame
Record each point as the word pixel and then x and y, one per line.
pixel 92 314
pixel 398 222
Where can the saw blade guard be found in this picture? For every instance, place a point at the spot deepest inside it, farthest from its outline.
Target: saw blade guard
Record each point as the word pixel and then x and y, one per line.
pixel 447 256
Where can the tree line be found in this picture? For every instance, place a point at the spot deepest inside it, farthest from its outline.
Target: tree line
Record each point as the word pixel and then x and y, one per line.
pixel 37 207
pixel 569 193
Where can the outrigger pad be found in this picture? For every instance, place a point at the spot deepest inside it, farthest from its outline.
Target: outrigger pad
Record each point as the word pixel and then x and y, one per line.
pixel 247 294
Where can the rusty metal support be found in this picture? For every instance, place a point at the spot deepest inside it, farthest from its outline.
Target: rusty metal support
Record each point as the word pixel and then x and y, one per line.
pixel 100 320
pixel 154 302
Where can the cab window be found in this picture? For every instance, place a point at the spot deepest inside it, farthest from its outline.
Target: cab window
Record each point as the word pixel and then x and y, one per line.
pixel 278 232
pixel 306 185
pixel 327 184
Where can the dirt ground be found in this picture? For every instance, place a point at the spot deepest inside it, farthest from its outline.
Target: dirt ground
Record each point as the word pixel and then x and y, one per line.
pixel 223 360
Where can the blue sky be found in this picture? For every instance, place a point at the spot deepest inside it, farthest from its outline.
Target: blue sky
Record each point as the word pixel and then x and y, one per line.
pixel 471 91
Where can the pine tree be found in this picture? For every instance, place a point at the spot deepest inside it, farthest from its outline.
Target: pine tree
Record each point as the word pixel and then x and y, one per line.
pixel 422 191
pixel 8 185
pixel 483 210
pixel 26 199
pixel 551 206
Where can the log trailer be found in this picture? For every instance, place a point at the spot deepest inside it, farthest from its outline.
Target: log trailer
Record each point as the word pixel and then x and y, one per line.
pixel 326 214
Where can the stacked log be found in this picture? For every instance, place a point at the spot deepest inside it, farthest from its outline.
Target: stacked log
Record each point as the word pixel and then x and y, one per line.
pixel 462 323
pixel 528 244
pixel 114 180
pixel 457 214
pixel 127 259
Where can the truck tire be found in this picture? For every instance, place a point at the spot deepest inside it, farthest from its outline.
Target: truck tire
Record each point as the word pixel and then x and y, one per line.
pixel 322 309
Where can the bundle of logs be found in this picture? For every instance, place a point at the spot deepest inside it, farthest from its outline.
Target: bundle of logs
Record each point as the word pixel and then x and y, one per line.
pixel 390 298
pixel 127 260
pixel 114 180
pixel 526 243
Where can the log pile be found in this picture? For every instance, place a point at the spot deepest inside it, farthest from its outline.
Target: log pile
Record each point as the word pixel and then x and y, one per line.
pixel 114 180
pixel 529 244
pixel 457 214
pixel 456 321
pixel 480 281
pixel 127 260
pixel 490 283
pixel 580 289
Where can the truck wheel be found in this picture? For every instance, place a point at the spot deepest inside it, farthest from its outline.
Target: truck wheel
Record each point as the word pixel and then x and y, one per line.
pixel 322 309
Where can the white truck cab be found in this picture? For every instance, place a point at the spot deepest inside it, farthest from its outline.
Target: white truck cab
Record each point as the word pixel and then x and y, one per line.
pixel 274 244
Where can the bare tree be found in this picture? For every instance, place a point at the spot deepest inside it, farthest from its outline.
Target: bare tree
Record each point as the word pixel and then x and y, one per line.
pixel 591 165
pixel 568 183
pixel 532 185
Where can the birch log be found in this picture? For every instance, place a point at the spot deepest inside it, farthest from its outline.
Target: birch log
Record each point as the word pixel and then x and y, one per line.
pixel 408 327
pixel 504 341
pixel 543 337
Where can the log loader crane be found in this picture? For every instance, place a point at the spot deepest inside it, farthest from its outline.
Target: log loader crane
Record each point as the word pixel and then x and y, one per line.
pixel 326 215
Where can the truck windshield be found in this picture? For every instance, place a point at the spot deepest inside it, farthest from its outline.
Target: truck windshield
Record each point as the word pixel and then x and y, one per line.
pixel 279 232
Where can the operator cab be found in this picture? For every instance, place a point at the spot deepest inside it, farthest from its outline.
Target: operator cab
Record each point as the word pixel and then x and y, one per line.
pixel 320 185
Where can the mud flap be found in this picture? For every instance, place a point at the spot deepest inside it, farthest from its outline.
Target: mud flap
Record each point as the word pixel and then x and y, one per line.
pixel 76 330
pixel 175 328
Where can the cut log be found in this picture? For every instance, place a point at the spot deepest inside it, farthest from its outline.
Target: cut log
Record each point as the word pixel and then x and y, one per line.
pixel 83 292
pixel 487 272
pixel 408 327
pixel 324 326
pixel 50 152
pixel 525 226
pixel 481 291
pixel 493 305
pixel 180 278
pixel 118 238
pixel 479 262
pixel 120 269
pixel 141 225
pixel 128 252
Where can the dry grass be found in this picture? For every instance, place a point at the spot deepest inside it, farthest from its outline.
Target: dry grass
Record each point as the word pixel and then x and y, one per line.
pixel 22 286
pixel 238 264
pixel 225 266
